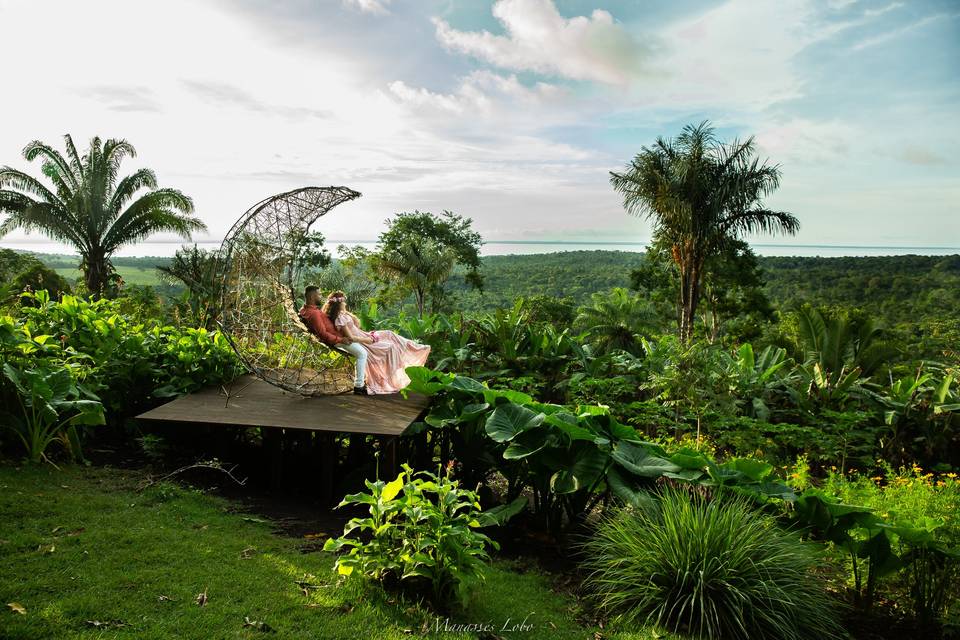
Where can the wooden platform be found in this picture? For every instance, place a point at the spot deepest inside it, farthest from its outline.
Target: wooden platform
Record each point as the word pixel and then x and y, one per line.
pixel 250 402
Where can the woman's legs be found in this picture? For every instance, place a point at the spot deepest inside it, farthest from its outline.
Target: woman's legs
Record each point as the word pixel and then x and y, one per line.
pixel 360 363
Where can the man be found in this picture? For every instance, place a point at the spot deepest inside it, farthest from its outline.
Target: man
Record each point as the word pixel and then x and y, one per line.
pixel 320 325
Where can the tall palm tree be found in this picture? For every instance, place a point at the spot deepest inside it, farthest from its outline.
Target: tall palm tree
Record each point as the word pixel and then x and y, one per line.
pixel 700 195
pixel 88 207
pixel 616 320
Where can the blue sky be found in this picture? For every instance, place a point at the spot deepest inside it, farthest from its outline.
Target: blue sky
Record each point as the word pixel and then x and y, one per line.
pixel 511 112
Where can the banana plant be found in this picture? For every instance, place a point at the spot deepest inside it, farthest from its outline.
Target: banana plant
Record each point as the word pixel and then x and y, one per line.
pixel 758 378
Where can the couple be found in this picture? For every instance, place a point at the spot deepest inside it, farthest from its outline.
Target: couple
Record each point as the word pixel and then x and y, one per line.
pixel 381 356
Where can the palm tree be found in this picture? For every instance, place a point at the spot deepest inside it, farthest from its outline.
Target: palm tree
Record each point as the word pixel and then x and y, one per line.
pixel 88 207
pixel 419 266
pixel 700 195
pixel 614 320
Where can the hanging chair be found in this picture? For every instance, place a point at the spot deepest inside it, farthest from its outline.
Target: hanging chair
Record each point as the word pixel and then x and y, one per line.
pixel 260 269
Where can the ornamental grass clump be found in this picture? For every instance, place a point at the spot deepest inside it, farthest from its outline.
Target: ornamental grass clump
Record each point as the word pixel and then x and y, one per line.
pixel 707 568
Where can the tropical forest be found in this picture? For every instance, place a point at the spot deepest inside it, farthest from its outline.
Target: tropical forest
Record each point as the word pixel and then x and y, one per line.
pixel 508 324
pixel 689 442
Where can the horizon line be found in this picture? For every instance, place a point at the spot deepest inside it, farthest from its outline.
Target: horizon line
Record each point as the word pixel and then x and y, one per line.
pixel 624 243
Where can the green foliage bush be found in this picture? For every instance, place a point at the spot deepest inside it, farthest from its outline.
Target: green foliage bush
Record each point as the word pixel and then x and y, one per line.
pixel 707 569
pixel 925 563
pixel 132 361
pixel 571 458
pixel 51 406
pixel 64 359
pixel 420 535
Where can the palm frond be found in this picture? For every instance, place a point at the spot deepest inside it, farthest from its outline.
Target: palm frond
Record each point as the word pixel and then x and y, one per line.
pixel 114 151
pixel 52 156
pixel 15 179
pixel 130 225
pixel 128 186
pixel 760 221
pixel 76 162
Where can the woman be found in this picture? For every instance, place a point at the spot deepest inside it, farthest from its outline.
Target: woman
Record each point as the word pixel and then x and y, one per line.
pixel 388 353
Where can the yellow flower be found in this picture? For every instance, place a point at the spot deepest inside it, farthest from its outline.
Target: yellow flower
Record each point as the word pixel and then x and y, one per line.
pixel 951 475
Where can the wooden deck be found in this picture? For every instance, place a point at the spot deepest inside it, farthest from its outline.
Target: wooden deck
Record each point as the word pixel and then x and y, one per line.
pixel 250 402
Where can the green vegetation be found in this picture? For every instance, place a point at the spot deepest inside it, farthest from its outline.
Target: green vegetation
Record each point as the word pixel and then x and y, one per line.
pixel 417 254
pixel 89 208
pixel 85 553
pixel 422 538
pixel 65 361
pixel 710 568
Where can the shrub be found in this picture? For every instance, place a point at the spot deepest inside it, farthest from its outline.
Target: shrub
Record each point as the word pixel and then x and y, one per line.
pixel 707 568
pixel 132 364
pixel 420 535
pixel 51 405
pixel 925 539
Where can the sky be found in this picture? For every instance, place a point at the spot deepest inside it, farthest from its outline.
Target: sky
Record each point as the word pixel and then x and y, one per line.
pixel 511 112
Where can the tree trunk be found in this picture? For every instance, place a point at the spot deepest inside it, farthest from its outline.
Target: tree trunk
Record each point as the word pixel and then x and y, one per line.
pixel 95 273
pixel 420 295
pixel 690 272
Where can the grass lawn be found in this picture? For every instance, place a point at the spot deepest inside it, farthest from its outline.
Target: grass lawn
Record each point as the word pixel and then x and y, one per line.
pixel 87 556
pixel 130 275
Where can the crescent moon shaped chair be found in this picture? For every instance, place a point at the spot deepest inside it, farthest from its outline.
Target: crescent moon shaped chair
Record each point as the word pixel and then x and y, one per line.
pixel 259 271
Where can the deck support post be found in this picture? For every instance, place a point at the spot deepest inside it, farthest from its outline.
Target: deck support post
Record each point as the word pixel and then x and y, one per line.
pixel 388 458
pixel 272 443
pixel 327 450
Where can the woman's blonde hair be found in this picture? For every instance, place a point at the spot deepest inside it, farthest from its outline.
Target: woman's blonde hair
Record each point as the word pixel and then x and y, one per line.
pixel 335 303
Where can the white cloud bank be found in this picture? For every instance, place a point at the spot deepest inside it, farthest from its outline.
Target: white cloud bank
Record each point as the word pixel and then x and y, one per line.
pixel 540 39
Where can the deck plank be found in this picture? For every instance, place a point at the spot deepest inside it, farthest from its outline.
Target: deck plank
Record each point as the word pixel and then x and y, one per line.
pixel 254 403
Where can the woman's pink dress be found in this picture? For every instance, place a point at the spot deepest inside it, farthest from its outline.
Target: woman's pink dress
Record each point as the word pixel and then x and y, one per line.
pixel 387 357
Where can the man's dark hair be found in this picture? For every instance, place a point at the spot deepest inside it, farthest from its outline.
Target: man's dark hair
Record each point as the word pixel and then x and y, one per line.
pixel 308 291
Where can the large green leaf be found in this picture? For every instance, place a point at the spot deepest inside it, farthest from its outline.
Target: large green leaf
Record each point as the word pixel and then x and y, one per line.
pixel 755 470
pixel 589 463
pixel 507 420
pixel 527 443
pixel 638 460
pixel 568 424
pixel 467 385
pixel 626 489
pixel 506 395
pixel 89 412
pixel 500 514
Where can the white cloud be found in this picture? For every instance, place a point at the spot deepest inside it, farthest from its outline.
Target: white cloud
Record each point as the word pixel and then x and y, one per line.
pixel 872 13
pixel 540 39
pixel 482 94
pixel 913 154
pixel 896 33
pixel 376 7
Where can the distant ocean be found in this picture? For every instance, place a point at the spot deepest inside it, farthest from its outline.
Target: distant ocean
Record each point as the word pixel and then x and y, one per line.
pixel 505 247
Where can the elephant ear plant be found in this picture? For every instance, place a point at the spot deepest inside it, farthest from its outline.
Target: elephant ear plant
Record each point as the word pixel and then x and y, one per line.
pixel 420 536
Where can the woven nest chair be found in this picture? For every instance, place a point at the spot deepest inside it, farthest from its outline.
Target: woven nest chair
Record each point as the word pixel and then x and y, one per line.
pixel 259 317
